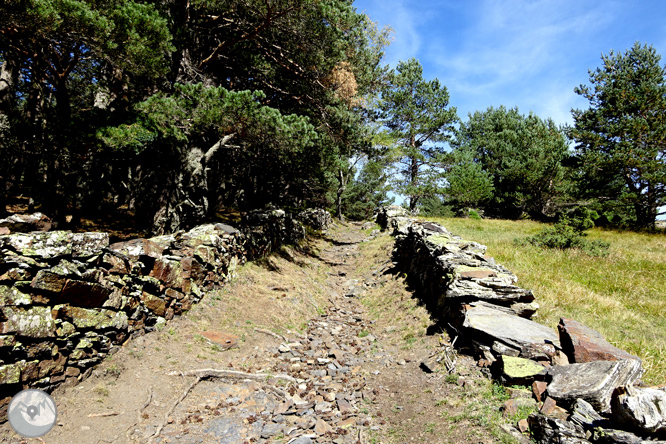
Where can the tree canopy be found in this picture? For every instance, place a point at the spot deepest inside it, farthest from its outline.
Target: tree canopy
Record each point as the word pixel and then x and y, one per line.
pixel 173 110
pixel 522 154
pixel 417 113
pixel 168 112
pixel 621 138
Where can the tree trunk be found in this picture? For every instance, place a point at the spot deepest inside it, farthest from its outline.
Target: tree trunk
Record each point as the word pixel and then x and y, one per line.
pixel 413 179
pixel 343 180
pixel 8 81
pixel 55 195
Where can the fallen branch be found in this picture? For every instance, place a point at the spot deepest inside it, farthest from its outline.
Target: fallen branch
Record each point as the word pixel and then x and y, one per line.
pixel 268 332
pixel 220 373
pixel 103 415
pixel 173 407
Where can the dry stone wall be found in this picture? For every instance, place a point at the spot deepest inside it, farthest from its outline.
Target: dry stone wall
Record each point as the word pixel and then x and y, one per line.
pixel 69 299
pixel 589 391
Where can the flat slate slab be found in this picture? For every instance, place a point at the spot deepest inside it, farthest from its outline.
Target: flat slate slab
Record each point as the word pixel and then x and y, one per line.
pixel 593 382
pixel 582 344
pixel 519 333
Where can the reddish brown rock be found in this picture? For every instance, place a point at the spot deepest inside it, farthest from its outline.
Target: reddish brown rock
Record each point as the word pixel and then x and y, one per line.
pixel 154 304
pixel 478 274
pixel 47 281
pixel 168 272
pixel 72 371
pixel 4 231
pixel 116 265
pixel 538 389
pixel 523 426
pixel 225 340
pixel 83 294
pixel 552 410
pixel 582 344
pixel 30 371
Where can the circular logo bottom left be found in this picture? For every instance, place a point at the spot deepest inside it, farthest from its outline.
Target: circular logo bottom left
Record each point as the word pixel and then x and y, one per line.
pixel 32 413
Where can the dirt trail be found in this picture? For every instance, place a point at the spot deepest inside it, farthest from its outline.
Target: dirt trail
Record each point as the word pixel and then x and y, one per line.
pixel 313 346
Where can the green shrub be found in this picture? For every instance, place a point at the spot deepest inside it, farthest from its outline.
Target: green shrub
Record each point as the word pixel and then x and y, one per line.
pixel 473 214
pixel 566 234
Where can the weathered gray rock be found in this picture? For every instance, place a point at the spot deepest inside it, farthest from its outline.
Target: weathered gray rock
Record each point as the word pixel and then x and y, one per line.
pixel 316 218
pixel 582 344
pixel 642 409
pixel 584 415
pixel 547 430
pixel 613 436
pixel 492 287
pixel 135 249
pixel 385 214
pixel 85 245
pixel 26 222
pixel 593 382
pixel 492 324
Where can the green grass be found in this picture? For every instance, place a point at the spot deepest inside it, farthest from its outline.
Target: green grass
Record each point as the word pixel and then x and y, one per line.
pixel 623 295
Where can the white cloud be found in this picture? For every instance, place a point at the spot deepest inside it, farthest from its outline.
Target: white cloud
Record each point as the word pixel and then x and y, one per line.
pixel 516 53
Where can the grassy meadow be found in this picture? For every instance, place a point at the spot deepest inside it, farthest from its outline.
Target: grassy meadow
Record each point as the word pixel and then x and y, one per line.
pixel 623 295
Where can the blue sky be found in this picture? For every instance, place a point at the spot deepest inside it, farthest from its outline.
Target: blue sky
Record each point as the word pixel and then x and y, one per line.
pixel 529 54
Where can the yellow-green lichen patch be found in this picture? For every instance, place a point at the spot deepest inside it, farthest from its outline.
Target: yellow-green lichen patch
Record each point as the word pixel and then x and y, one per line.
pixel 442 240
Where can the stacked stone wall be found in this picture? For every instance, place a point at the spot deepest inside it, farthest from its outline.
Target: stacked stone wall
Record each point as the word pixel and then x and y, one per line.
pixel 69 299
pixel 588 390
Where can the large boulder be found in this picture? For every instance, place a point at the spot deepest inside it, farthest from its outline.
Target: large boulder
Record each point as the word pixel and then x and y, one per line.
pixel 582 344
pixel 593 382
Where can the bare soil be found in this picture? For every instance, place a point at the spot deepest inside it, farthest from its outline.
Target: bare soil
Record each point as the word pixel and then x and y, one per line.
pixel 329 341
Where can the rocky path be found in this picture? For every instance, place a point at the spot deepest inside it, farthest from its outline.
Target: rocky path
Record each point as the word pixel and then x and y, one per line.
pixel 315 388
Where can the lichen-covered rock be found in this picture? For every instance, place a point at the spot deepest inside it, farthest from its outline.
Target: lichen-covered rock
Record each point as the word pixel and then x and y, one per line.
pixel 33 322
pixel 40 245
pixel 12 296
pixel 92 319
pixel 169 272
pixel 10 374
pixel 582 344
pixel 136 249
pixel 520 371
pixel 592 381
pixel 316 218
pixel 47 281
pixel 642 409
pixel 85 245
pixel 26 223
